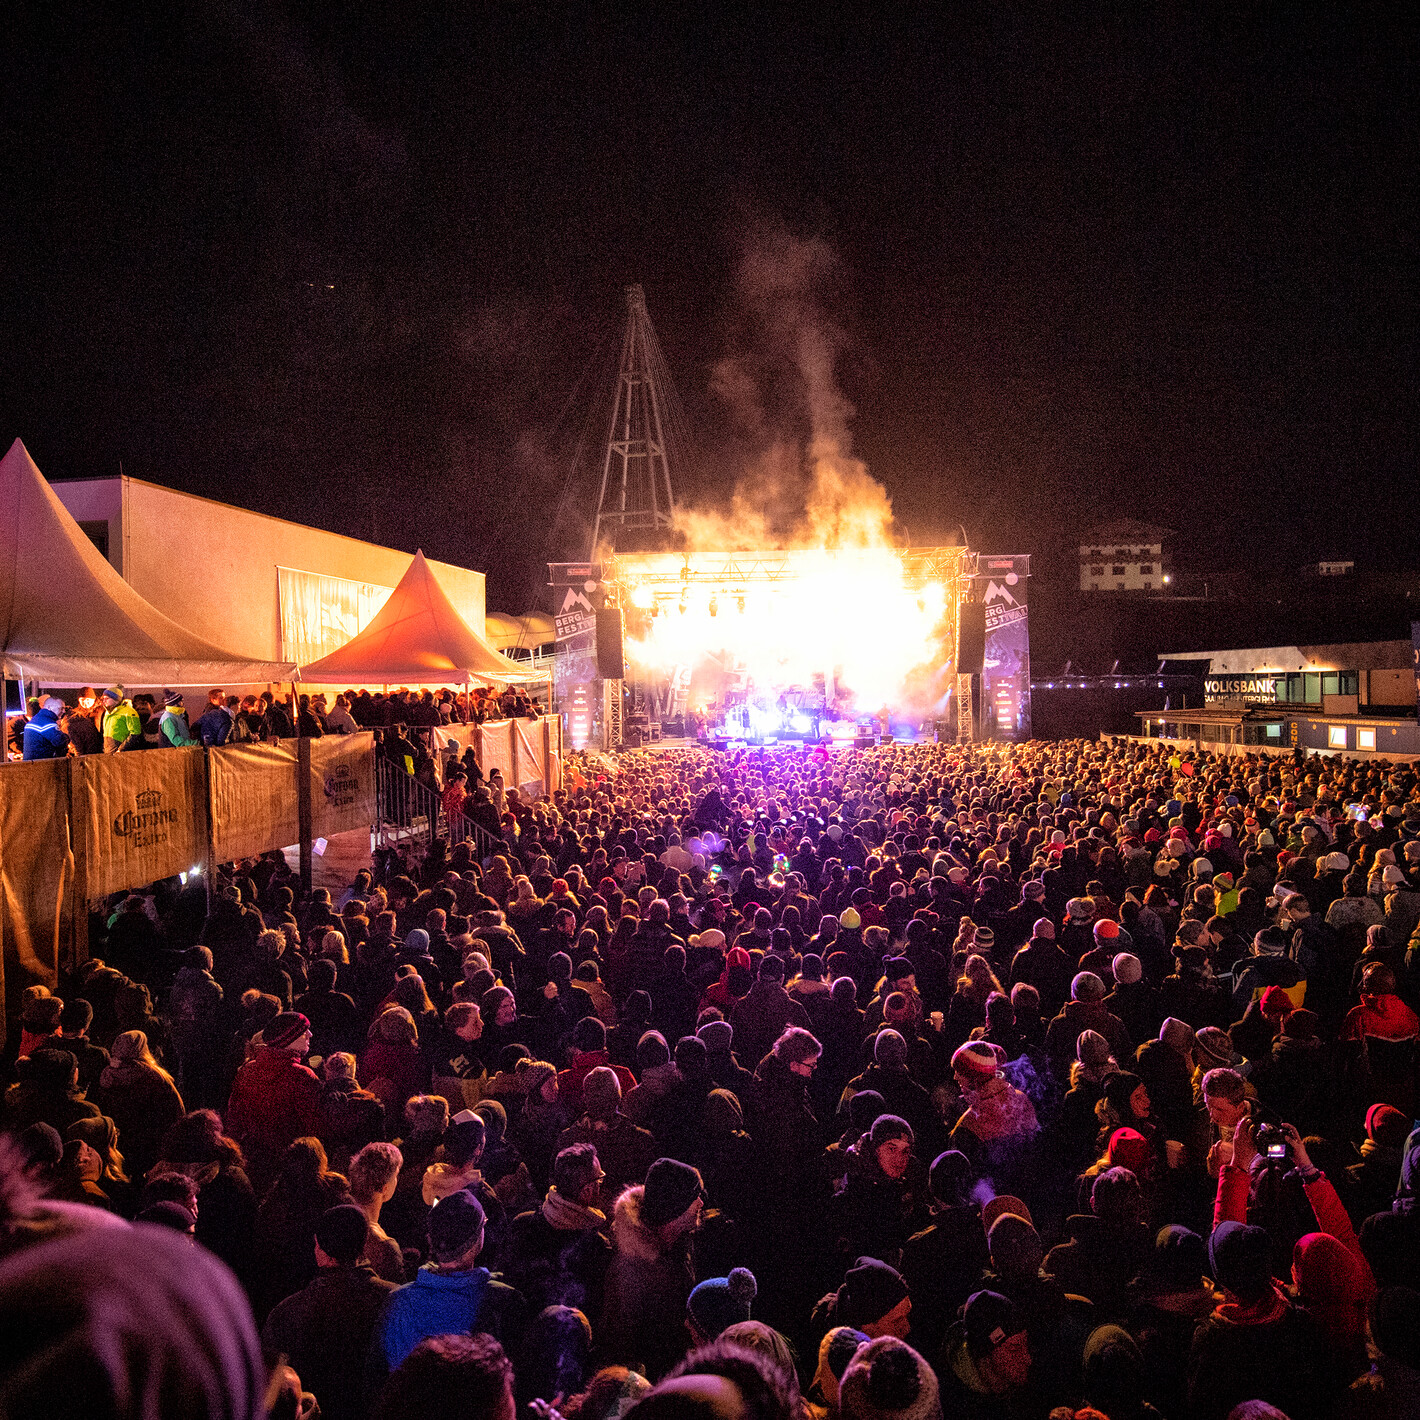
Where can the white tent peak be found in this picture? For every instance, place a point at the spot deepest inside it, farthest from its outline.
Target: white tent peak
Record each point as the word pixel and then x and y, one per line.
pixel 69 619
pixel 418 635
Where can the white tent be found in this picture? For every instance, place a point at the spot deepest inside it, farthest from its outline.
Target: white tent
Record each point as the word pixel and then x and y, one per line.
pixel 417 637
pixel 69 619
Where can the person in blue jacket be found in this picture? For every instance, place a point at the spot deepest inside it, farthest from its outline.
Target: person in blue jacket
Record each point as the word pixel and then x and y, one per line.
pixel 43 737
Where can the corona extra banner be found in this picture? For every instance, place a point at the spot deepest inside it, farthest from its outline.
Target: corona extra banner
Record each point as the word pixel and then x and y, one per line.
pixel 36 872
pixel 342 784
pixel 144 817
pixel 254 803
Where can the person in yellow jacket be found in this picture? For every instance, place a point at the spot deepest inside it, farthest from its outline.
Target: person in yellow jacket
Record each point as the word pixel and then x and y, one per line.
pixel 120 720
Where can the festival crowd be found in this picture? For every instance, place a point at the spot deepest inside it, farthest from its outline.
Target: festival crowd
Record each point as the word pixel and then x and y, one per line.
pixel 1050 1080
pixel 108 722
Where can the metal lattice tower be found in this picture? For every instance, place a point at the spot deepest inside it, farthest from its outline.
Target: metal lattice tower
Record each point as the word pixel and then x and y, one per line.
pixel 645 439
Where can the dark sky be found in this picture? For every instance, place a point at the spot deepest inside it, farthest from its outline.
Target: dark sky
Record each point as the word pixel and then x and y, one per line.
pixel 348 264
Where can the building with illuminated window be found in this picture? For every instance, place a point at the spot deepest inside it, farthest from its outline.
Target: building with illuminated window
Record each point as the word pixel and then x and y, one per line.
pixel 1125 556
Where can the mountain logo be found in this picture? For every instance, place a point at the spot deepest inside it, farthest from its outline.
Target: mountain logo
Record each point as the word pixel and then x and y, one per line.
pixel 573 599
pixel 995 592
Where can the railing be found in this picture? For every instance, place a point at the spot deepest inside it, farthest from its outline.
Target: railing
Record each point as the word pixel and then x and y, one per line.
pixel 410 813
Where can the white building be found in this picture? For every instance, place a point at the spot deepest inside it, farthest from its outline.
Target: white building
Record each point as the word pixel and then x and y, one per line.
pixel 1125 556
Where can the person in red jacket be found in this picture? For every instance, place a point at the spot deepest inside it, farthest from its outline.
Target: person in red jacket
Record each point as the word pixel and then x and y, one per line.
pixel 275 1098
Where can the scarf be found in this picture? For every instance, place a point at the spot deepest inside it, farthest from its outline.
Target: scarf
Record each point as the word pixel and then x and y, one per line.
pixel 569 1216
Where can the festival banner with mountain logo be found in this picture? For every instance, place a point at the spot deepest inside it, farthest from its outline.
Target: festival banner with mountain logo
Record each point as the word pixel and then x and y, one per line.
pixel 146 817
pixel 1005 676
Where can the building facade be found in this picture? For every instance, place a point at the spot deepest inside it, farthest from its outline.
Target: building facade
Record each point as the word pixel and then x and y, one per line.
pixel 1125 556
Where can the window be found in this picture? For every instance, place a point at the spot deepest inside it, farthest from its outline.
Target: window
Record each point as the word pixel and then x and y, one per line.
pixel 1146 569
pixel 1148 586
pixel 1094 586
pixel 1350 682
pixel 1330 683
pixel 1311 688
pixel 1119 586
pixel 1096 571
pixel 1336 736
pixel 1274 732
pixel 1365 739
pixel 1118 571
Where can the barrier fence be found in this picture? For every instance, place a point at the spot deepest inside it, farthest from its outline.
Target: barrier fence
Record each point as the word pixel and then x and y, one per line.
pixel 75 830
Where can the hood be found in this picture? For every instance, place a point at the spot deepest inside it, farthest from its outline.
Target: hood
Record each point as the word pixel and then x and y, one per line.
pixel 959 1361
pixel 440 1180
pixel 723 1115
pixel 634 1238
pixel 1332 1284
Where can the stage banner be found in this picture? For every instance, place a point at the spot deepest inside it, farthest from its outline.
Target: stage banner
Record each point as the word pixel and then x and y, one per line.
pixel 1005 676
pixel 342 783
pixel 254 799
pixel 36 873
pixel 577 592
pixel 530 759
pixel 145 817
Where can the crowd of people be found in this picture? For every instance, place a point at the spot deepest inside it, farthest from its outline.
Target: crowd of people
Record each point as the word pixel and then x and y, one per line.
pixel 1050 1080
pixel 104 723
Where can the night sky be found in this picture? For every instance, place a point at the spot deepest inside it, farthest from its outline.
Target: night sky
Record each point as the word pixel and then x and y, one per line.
pixel 361 265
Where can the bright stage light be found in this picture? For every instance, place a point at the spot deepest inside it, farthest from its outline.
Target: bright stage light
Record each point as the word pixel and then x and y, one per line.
pixel 643 597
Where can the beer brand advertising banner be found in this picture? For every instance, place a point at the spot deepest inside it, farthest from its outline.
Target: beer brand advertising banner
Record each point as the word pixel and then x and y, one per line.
pixel 145 817
pixel 342 783
pixel 36 871
pixel 254 799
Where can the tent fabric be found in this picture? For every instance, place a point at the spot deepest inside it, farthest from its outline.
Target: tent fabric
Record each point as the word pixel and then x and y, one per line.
pixel 417 636
pixel 518 633
pixel 69 619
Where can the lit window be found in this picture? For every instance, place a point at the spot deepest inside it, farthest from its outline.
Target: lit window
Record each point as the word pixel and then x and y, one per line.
pixel 1336 736
pixel 1365 739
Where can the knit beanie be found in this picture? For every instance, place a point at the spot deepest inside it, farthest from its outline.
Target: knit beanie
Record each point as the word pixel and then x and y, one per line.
pixel 870 1290
pixel 285 1029
pixel 719 1302
pixel 889 1048
pixel 1127 968
pixel 1275 1002
pixel 836 1350
pixel 652 1050
pixel 1106 930
pixel 717 1035
pixel 601 1092
pixel 976 1060
pixel 1214 1046
pixel 1241 1255
pixel 671 1187
pixel 1386 1125
pixel 1043 929
pixel 1301 1024
pixel 888 1380
pixel 989 1319
pixel 1087 987
pixel 1180 1259
pixel 1016 1249
pixel 864 1108
pixel 1176 1033
pixel 887 1127
pixel 1092 1049
pixel 1129 1149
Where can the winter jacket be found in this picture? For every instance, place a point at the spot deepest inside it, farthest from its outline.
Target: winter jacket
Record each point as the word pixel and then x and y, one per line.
pixel 647 1285
pixel 43 737
pixel 324 1331
pixel 1064 1032
pixel 443 1304
pixel 557 1255
pixel 1263 1351
pixel 275 1099
pixel 1100 1260
pixel 761 1017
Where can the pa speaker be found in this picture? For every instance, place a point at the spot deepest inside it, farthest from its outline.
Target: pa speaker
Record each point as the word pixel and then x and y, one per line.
pixel 971 639
pixel 610 664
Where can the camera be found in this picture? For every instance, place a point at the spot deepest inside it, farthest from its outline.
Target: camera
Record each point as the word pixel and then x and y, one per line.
pixel 1271 1142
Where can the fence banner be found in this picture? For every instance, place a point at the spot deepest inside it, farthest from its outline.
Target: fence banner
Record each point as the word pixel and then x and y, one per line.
pixel 495 749
pixel 342 783
pixel 254 803
pixel 145 817
pixel 531 758
pixel 445 736
pixel 36 872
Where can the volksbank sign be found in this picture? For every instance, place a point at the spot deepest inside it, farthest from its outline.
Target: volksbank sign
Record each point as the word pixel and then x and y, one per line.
pixel 1256 689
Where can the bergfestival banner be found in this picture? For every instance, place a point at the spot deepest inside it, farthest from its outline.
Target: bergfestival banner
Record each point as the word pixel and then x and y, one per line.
pixel 144 817
pixel 36 872
pixel 342 784
pixel 254 804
